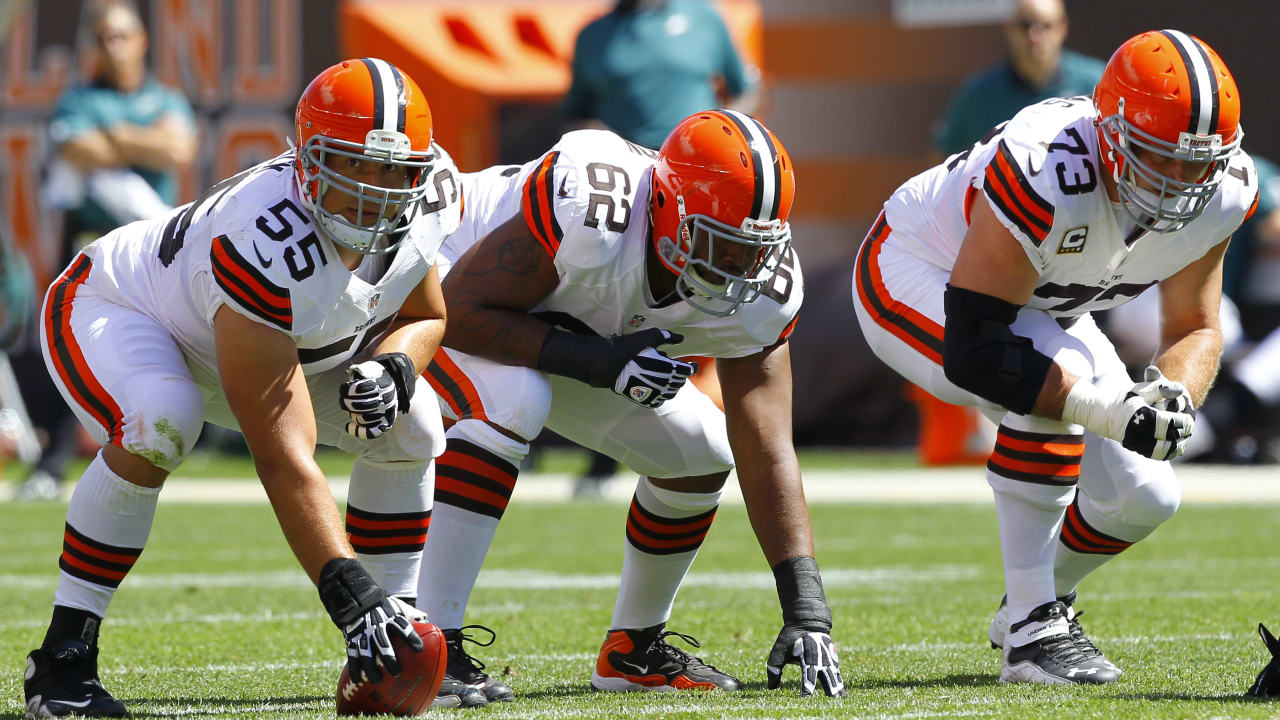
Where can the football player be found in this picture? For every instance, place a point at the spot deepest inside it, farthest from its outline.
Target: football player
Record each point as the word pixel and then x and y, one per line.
pixel 577 280
pixel 298 302
pixel 1074 205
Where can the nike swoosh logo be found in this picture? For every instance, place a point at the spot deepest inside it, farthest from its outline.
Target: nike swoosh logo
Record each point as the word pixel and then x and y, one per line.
pixel 265 262
pixel 565 193
pixel 68 703
pixel 643 669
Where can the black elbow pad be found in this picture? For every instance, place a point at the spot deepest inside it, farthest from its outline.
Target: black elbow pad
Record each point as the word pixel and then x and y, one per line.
pixel 982 355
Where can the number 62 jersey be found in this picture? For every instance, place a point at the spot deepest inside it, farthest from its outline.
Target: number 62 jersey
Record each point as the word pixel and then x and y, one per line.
pixel 248 244
pixel 586 203
pixel 1040 173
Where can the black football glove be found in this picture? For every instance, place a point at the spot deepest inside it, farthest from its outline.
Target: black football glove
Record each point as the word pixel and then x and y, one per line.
pixel 630 365
pixel 1268 682
pixel 376 391
pixel 805 639
pixel 367 617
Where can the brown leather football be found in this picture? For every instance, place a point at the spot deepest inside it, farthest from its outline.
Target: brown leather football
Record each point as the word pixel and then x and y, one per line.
pixel 409 694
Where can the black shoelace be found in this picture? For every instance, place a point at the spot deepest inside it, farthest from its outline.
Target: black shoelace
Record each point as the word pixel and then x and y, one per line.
pixel 1063 650
pixel 1086 646
pixel 461 664
pixel 661 645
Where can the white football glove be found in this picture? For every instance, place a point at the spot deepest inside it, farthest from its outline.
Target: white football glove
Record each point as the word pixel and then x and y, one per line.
pixel 650 378
pixel 369 638
pixel 1152 418
pixel 376 391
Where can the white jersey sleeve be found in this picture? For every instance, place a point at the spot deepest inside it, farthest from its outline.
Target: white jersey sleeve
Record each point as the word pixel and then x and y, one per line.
pixel 1018 190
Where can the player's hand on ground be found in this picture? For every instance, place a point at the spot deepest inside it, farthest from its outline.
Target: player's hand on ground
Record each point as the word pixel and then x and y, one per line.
pixel 367 617
pixel 369 638
pixel 815 654
pixel 645 375
pixel 1268 682
pixel 375 393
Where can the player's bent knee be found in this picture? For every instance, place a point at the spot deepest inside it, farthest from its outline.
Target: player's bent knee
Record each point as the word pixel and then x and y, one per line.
pixel 693 483
pixel 168 425
pixel 1152 503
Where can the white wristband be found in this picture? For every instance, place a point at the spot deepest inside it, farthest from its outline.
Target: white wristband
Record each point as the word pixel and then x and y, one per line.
pixel 1088 406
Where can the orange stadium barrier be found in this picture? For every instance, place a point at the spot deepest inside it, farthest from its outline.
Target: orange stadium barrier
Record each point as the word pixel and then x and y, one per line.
pixel 950 434
pixel 472 59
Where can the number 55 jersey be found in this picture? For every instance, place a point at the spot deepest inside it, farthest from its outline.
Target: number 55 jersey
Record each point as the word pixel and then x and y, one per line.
pixel 1040 174
pixel 248 244
pixel 586 202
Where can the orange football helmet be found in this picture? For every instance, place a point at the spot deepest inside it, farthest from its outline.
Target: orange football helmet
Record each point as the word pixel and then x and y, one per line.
pixel 1168 93
pixel 367 109
pixel 723 186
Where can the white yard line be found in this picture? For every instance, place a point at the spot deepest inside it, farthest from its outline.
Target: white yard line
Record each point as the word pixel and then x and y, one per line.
pixel 1200 484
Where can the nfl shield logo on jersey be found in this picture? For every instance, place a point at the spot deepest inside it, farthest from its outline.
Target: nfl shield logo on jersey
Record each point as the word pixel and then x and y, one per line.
pixel 637 320
pixel 373 301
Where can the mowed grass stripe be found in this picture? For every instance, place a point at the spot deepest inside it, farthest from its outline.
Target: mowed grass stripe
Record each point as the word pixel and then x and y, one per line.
pixel 231 628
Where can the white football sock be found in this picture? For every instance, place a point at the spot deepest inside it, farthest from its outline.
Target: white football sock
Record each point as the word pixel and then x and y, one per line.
pixel 474 478
pixel 665 528
pixel 108 521
pixel 388 515
pixel 1030 515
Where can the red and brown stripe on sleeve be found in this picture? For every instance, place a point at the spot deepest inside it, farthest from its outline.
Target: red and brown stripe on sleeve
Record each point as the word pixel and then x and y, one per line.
pixel 248 286
pixel 1009 189
pixel 539 213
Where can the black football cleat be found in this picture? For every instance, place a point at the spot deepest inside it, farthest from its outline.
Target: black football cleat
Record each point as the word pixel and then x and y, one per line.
pixel 455 693
pixel 644 660
pixel 1041 650
pixel 62 681
pixel 999 628
pixel 468 670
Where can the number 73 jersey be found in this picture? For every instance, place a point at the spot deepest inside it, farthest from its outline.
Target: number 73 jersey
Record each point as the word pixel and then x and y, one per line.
pixel 1041 175
pixel 586 204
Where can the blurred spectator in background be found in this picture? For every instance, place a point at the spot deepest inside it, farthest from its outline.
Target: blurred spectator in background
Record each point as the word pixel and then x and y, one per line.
pixel 640 70
pixel 1037 68
pixel 119 141
pixel 648 64
pixel 17 309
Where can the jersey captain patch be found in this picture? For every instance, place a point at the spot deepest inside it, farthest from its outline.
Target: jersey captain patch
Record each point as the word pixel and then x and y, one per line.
pixel 1073 240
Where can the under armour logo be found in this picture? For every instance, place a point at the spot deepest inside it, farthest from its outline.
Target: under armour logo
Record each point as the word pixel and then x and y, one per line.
pixel 1074 671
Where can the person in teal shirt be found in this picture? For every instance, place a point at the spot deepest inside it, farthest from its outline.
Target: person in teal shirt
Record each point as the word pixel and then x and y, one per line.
pixel 121 138
pixel 119 142
pixel 648 64
pixel 1037 68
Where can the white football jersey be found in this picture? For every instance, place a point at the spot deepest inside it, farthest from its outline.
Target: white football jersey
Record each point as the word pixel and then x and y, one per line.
pixel 1040 172
pixel 249 244
pixel 586 202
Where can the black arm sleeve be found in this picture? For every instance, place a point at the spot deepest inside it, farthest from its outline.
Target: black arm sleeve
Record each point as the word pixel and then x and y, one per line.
pixel 982 355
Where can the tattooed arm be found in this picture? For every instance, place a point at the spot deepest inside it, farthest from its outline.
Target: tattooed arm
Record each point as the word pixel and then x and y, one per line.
pixel 489 291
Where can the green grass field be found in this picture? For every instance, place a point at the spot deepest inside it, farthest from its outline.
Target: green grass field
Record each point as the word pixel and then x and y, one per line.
pixel 217 620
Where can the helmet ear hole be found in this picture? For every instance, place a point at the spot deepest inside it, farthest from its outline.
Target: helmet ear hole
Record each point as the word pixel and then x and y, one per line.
pixel 662 199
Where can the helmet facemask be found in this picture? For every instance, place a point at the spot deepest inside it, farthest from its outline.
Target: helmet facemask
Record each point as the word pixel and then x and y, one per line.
pixel 1167 203
pixel 395 207
pixel 720 266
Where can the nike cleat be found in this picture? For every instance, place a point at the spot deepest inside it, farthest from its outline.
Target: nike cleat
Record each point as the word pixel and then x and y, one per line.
pixel 643 660
pixel 63 681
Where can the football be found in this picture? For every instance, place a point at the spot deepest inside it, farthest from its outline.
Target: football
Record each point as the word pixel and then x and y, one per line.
pixel 409 694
